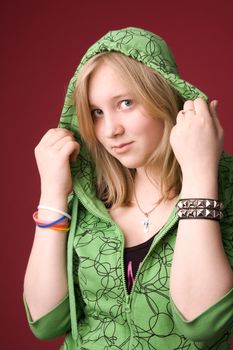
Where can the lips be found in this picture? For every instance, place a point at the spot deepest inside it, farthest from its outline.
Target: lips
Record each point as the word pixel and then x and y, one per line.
pixel 122 148
pixel 122 145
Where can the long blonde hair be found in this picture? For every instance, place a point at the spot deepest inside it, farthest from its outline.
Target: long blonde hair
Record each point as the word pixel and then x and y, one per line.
pixel 114 182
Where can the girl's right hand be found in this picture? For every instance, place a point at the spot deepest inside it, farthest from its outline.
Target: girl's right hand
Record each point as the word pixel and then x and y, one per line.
pixel 53 154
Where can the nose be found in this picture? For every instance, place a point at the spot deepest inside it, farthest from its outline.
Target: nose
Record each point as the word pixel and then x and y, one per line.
pixel 113 126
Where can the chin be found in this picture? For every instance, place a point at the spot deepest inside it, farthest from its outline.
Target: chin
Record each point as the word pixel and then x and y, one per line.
pixel 132 164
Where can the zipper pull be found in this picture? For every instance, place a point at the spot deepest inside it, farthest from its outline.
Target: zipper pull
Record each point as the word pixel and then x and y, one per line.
pixel 127 305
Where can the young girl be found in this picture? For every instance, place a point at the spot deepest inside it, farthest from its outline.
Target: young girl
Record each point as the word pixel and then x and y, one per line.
pixel 134 237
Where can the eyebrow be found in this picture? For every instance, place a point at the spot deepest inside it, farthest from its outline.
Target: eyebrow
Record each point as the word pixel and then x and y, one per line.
pixel 116 97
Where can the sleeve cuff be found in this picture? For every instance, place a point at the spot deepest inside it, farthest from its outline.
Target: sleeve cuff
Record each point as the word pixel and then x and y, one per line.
pixel 53 324
pixel 210 324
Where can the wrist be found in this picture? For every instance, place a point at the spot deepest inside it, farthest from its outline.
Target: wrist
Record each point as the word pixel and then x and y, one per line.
pixel 203 171
pixel 54 191
pixel 59 201
pixel 200 187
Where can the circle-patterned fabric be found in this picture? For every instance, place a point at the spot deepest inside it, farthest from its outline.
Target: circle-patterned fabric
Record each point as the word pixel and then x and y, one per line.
pixel 146 47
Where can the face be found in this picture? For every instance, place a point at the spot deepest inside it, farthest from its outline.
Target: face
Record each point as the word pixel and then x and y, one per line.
pixel 121 123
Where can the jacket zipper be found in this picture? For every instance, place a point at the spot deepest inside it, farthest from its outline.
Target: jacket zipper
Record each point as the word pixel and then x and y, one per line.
pixel 126 307
pixel 128 297
pixel 174 221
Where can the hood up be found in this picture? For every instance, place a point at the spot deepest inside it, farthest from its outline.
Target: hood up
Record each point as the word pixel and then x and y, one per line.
pixel 145 47
pixel 141 45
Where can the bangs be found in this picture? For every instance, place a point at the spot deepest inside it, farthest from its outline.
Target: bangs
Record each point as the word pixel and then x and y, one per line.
pixel 114 184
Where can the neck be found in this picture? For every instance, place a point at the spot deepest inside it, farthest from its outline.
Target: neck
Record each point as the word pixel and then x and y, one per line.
pixel 147 189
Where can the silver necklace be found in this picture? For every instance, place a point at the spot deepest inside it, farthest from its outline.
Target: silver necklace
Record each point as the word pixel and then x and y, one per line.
pixel 147 221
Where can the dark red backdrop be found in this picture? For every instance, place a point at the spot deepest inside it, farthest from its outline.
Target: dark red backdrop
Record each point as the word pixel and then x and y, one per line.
pixel 42 43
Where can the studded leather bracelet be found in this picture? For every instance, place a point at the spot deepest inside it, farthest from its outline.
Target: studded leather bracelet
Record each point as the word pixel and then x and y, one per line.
pixel 200 208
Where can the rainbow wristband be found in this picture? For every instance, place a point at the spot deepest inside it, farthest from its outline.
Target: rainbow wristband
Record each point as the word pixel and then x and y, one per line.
pixel 49 224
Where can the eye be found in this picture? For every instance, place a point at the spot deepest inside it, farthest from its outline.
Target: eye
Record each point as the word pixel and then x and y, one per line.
pixel 126 103
pixel 96 113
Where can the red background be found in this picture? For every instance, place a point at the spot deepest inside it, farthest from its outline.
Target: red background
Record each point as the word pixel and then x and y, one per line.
pixel 42 43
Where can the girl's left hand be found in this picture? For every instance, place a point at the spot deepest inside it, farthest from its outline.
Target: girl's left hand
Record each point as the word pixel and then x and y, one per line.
pixel 197 138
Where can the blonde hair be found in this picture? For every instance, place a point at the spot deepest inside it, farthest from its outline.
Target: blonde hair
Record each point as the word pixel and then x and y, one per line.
pixel 114 182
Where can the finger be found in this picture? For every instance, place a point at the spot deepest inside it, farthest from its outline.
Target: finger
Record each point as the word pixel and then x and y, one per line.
pixel 53 131
pixel 180 117
pixel 189 105
pixel 47 135
pixel 70 149
pixel 60 142
pixel 213 110
pixel 202 108
pixel 54 135
pixel 74 155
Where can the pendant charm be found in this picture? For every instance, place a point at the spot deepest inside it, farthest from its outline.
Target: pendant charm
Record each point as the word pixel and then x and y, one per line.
pixel 146 222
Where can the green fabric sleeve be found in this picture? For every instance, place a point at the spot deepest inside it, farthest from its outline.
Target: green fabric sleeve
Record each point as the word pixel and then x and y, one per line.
pixel 53 324
pixel 217 318
pixel 226 196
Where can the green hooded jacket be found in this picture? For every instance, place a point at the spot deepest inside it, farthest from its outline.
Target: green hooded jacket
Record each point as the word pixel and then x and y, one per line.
pixel 98 313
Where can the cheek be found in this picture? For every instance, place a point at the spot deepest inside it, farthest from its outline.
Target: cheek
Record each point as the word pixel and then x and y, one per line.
pixel 98 131
pixel 99 134
pixel 160 129
pixel 155 130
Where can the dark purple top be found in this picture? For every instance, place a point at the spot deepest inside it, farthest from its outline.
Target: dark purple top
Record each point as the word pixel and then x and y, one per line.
pixel 133 256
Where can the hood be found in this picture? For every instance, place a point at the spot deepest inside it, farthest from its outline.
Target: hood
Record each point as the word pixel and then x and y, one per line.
pixel 143 46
